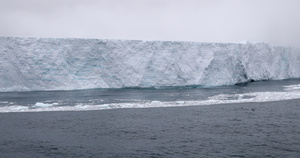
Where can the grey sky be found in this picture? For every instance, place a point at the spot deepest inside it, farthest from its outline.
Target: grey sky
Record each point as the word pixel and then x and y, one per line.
pixel 272 21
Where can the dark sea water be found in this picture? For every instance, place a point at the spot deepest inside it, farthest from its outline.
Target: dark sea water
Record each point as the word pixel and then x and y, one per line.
pixel 261 129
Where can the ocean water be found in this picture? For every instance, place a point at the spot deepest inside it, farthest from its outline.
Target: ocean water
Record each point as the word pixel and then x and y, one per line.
pixel 99 99
pixel 258 119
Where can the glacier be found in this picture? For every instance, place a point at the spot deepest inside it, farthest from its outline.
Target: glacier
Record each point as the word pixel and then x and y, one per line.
pixel 29 63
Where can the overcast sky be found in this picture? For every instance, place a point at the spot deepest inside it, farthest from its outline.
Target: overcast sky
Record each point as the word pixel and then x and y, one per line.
pixel 273 21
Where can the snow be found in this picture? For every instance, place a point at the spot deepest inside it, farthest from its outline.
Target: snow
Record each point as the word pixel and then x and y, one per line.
pixel 28 64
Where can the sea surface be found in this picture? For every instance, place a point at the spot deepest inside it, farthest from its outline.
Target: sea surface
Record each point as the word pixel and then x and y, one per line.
pixel 258 119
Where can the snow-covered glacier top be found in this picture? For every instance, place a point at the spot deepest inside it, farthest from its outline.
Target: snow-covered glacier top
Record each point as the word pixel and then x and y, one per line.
pixel 66 64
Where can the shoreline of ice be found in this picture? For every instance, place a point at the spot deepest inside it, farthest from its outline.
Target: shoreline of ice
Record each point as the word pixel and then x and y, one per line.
pixel 289 93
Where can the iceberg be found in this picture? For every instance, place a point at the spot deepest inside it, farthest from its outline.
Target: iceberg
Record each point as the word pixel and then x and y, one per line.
pixel 29 63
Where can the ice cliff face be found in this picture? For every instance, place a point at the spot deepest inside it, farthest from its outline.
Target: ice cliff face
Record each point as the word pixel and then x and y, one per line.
pixel 65 64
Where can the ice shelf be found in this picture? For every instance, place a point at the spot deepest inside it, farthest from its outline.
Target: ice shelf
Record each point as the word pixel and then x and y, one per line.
pixel 28 63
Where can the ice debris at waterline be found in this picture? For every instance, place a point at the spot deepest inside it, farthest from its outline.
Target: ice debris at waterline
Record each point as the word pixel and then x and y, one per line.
pixel 290 92
pixel 68 64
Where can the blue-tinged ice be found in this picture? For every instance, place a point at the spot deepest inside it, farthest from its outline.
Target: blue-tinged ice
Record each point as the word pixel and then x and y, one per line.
pixel 41 105
pixel 67 64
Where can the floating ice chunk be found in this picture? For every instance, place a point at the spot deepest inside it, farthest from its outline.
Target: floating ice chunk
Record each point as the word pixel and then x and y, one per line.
pixel 240 97
pixel 55 104
pixel 180 102
pixel 127 105
pixel 155 102
pixel 80 106
pixel 42 105
pixel 104 106
pixel 20 108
